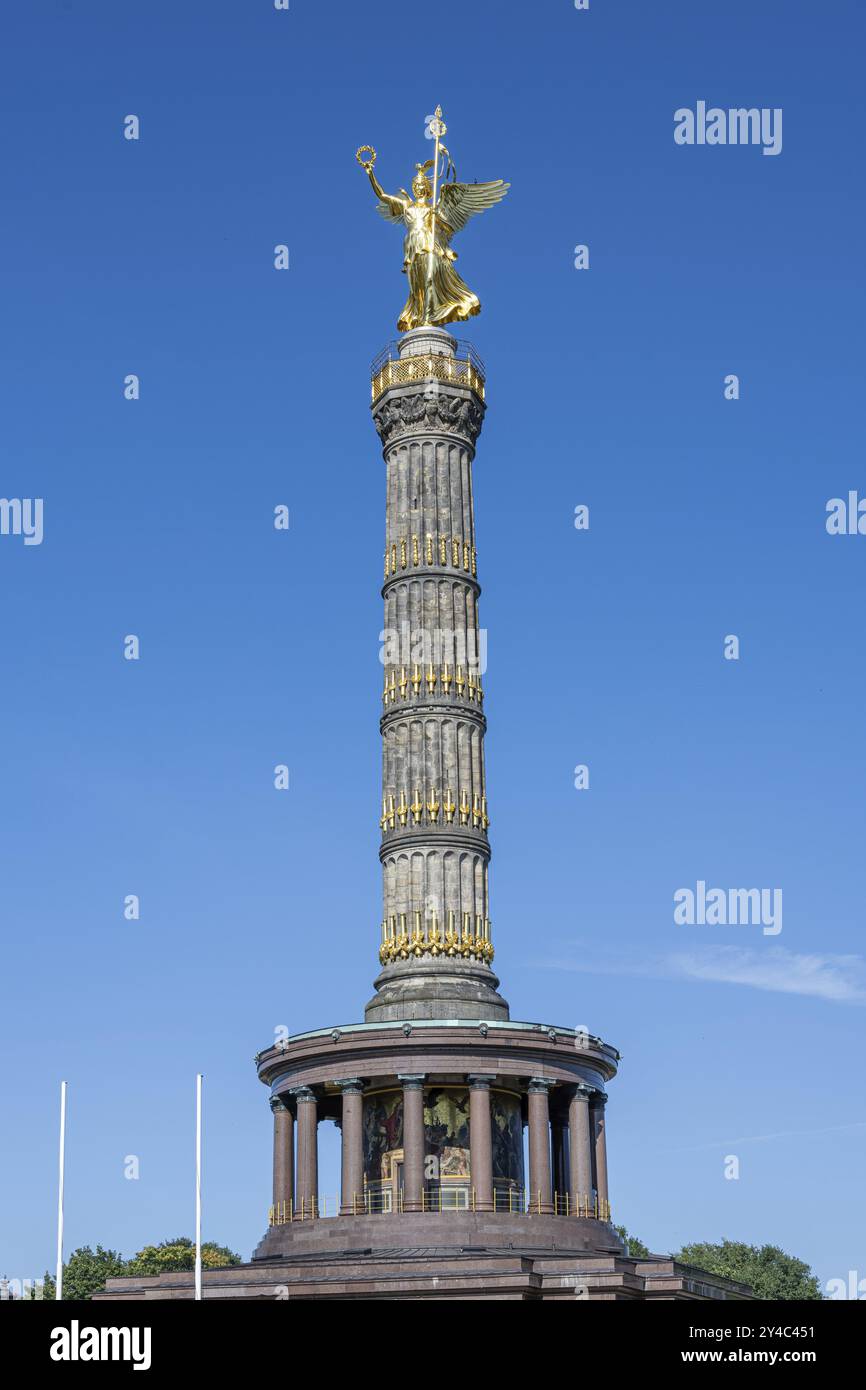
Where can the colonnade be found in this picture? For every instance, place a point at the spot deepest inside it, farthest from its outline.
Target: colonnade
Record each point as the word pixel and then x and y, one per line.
pixel 567 1146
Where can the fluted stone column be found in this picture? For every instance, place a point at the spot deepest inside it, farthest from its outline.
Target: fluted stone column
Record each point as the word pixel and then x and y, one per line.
pixel 580 1148
pixel 539 1145
pixel 284 1143
pixel 597 1107
pixel 308 1153
pixel 559 1147
pixel 413 1142
pixel 436 947
pixel 481 1142
pixel 352 1148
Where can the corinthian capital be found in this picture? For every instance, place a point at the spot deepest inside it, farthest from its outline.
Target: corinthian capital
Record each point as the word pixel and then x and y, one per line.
pixel 434 410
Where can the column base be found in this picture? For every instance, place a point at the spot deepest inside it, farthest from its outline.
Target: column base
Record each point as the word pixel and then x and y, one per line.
pixel 436 989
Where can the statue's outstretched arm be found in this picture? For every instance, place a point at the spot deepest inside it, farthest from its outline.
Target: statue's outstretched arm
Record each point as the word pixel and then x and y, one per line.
pixel 377 187
pixel 390 205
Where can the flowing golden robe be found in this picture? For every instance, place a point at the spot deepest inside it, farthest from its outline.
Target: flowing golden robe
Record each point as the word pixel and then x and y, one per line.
pixel 437 294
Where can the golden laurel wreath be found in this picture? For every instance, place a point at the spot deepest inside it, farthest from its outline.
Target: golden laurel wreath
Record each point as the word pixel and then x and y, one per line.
pixel 366 163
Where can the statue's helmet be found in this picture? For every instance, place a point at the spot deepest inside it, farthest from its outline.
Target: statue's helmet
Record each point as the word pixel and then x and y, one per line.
pixel 421 186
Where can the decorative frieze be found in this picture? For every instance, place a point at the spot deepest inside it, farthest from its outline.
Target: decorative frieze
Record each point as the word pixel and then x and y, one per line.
pixel 411 934
pixel 431 411
pixel 429 552
pixel 426 682
pixel 400 812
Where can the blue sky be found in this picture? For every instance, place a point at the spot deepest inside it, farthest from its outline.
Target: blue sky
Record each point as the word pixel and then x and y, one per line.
pixel 605 387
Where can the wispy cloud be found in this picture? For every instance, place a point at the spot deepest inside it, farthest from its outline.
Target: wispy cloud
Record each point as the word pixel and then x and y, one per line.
pixel 768 1138
pixel 839 979
pixel 836 979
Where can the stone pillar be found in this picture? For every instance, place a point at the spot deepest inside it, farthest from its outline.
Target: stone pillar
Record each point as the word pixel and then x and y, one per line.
pixel 480 1142
pixel 597 1105
pixel 413 1142
pixel 436 949
pixel 284 1156
pixel 559 1145
pixel 580 1149
pixel 306 1204
pixel 540 1197
pixel 352 1186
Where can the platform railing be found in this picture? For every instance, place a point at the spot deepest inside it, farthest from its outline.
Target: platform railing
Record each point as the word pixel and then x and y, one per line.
pixel 390 369
pixel 515 1201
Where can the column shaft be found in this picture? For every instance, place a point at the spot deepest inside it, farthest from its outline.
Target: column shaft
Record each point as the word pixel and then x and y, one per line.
pixel 308 1155
pixel 540 1199
pixel 433 785
pixel 600 1145
pixel 352 1190
pixel 284 1143
pixel 480 1143
pixel 580 1151
pixel 413 1143
pixel 559 1144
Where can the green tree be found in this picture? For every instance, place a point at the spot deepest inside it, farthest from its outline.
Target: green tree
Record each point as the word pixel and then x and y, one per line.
pixel 636 1247
pixel 85 1272
pixel 771 1273
pixel 179 1254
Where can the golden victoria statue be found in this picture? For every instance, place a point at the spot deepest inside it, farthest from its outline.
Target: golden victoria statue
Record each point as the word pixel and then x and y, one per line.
pixel 437 294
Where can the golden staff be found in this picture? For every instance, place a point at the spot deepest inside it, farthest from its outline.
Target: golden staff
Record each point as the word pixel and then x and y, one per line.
pixel 438 128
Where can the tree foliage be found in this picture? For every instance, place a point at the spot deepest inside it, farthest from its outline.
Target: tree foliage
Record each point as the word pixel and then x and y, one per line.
pixel 86 1270
pixel 636 1248
pixel 771 1273
pixel 179 1254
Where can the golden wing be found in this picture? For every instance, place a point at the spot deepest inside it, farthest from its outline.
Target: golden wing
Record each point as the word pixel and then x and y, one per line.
pixel 391 208
pixel 460 201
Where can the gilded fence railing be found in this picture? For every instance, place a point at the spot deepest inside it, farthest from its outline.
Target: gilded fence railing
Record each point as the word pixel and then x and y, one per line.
pixel 440 1200
pixel 389 369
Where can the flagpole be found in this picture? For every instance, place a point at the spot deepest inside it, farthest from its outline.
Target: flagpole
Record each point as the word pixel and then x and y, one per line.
pixel 58 1289
pixel 198 1080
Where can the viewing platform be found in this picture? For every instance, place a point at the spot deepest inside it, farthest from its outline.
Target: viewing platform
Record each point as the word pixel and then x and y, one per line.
pixel 395 368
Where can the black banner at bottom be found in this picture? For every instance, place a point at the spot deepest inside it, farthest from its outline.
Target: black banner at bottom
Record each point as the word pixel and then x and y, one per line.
pixel 147 1337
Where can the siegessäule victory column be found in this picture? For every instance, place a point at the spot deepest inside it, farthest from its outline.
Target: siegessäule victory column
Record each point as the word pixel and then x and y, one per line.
pixel 434 1091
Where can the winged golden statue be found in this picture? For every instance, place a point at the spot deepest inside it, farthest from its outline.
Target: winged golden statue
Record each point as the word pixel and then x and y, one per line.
pixel 437 294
